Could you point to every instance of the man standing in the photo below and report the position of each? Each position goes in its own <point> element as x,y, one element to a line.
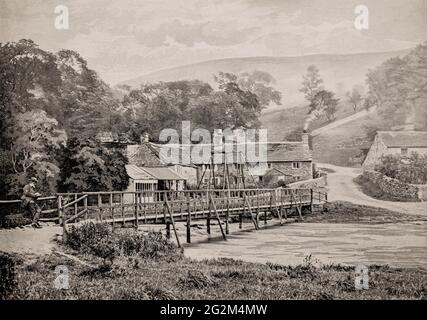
<point>28,202</point>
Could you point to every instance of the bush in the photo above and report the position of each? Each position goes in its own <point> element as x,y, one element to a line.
<point>100,240</point>
<point>412,169</point>
<point>13,221</point>
<point>8,279</point>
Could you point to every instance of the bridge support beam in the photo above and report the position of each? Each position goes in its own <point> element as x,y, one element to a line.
<point>168,230</point>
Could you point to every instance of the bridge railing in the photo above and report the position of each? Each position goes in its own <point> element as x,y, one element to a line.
<point>122,205</point>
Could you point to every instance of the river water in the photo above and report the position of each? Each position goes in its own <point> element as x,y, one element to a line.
<point>396,244</point>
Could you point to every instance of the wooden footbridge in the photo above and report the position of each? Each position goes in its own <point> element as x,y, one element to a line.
<point>169,207</point>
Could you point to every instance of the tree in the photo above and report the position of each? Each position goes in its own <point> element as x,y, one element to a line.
<point>355,97</point>
<point>154,107</point>
<point>87,166</point>
<point>245,107</point>
<point>398,87</point>
<point>36,137</point>
<point>29,80</point>
<point>324,103</point>
<point>312,83</point>
<point>260,83</point>
<point>87,103</point>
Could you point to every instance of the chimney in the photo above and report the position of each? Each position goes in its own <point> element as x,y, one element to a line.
<point>144,138</point>
<point>305,137</point>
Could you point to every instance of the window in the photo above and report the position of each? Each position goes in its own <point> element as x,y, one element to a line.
<point>404,151</point>
<point>296,165</point>
<point>139,187</point>
<point>269,165</point>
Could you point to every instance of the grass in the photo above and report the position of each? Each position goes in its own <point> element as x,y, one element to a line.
<point>214,279</point>
<point>347,212</point>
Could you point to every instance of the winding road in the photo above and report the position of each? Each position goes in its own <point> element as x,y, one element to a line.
<point>342,187</point>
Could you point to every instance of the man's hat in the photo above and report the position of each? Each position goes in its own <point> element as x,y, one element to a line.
<point>33,179</point>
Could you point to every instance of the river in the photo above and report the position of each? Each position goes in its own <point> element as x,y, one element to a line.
<point>396,244</point>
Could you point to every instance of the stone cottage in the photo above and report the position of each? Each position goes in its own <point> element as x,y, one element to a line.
<point>395,143</point>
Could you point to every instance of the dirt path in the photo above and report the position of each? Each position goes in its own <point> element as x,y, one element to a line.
<point>342,187</point>
<point>29,241</point>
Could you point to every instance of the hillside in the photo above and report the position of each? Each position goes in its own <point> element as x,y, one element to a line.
<point>340,72</point>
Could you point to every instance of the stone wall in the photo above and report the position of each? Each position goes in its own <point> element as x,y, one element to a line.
<point>395,188</point>
<point>317,184</point>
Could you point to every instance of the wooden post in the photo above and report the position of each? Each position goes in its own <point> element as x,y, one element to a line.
<point>311,201</point>
<point>188,219</point>
<point>136,211</point>
<point>168,230</point>
<point>250,212</point>
<point>122,209</point>
<point>76,209</point>
<point>227,215</point>
<point>100,207</point>
<point>85,207</point>
<point>62,219</point>
<point>217,218</point>
<point>173,222</point>
<point>279,212</point>
<point>111,208</point>
<point>208,219</point>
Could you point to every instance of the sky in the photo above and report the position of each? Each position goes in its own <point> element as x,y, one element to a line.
<point>127,38</point>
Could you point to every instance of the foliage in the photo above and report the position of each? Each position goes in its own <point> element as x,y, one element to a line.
<point>260,83</point>
<point>100,240</point>
<point>237,103</point>
<point>14,220</point>
<point>88,166</point>
<point>45,98</point>
<point>35,138</point>
<point>312,83</point>
<point>399,88</point>
<point>324,102</point>
<point>355,97</point>
<point>8,276</point>
<point>412,169</point>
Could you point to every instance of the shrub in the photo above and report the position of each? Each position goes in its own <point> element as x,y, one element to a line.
<point>412,169</point>
<point>13,221</point>
<point>8,279</point>
<point>100,240</point>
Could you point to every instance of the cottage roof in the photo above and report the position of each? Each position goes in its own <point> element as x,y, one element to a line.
<point>276,151</point>
<point>143,155</point>
<point>404,138</point>
<point>288,151</point>
<point>137,173</point>
<point>163,173</point>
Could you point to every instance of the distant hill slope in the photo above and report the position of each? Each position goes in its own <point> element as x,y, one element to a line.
<point>340,72</point>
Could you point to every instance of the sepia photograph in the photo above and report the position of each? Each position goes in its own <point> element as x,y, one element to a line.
<point>213,157</point>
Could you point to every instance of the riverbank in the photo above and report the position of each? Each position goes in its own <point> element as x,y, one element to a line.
<point>213,279</point>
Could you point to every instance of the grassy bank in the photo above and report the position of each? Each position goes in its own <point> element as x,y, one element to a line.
<point>213,279</point>
<point>347,212</point>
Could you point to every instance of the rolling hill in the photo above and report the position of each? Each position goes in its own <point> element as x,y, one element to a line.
<point>340,72</point>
